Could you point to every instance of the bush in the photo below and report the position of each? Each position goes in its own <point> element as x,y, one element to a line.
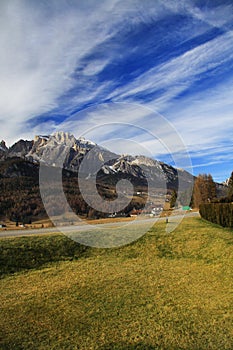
<point>218,213</point>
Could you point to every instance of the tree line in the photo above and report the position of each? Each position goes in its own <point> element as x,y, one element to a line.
<point>21,201</point>
<point>218,211</point>
<point>20,198</point>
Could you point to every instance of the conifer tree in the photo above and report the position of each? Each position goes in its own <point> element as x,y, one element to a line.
<point>173,198</point>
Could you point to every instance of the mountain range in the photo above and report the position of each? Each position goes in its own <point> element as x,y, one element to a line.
<point>82,161</point>
<point>63,149</point>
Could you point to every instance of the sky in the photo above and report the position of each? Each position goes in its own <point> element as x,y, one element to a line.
<point>156,75</point>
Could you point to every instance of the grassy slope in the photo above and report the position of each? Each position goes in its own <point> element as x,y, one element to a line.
<point>166,291</point>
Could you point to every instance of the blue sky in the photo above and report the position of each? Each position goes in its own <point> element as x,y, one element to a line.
<point>78,65</point>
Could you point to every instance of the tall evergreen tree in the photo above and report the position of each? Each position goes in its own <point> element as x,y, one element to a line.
<point>173,199</point>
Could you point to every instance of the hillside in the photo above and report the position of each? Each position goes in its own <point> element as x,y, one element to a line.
<point>162,292</point>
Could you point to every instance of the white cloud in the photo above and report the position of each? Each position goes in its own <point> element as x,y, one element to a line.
<point>95,67</point>
<point>212,14</point>
<point>141,127</point>
<point>41,45</point>
<point>180,72</point>
<point>205,119</point>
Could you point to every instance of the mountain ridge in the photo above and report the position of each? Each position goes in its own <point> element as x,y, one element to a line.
<point>64,150</point>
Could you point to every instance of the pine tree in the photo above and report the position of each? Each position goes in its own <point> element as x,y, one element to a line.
<point>173,198</point>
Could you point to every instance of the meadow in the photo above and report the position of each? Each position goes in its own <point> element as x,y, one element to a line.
<point>164,291</point>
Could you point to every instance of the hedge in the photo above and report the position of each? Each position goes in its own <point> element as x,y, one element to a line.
<point>218,213</point>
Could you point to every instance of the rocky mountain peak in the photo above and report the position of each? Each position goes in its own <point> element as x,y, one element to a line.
<point>143,160</point>
<point>20,148</point>
<point>63,137</point>
<point>53,149</point>
<point>41,137</point>
<point>3,146</point>
<point>226,182</point>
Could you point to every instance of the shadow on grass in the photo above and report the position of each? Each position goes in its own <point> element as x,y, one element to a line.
<point>25,253</point>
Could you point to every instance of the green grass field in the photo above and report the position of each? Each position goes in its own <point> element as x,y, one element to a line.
<point>165,291</point>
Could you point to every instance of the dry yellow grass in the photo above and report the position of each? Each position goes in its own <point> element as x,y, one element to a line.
<point>166,291</point>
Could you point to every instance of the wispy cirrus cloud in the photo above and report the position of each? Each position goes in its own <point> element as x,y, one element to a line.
<point>205,118</point>
<point>41,46</point>
<point>175,57</point>
<point>180,72</point>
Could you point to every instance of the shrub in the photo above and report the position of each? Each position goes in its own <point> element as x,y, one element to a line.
<point>218,213</point>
